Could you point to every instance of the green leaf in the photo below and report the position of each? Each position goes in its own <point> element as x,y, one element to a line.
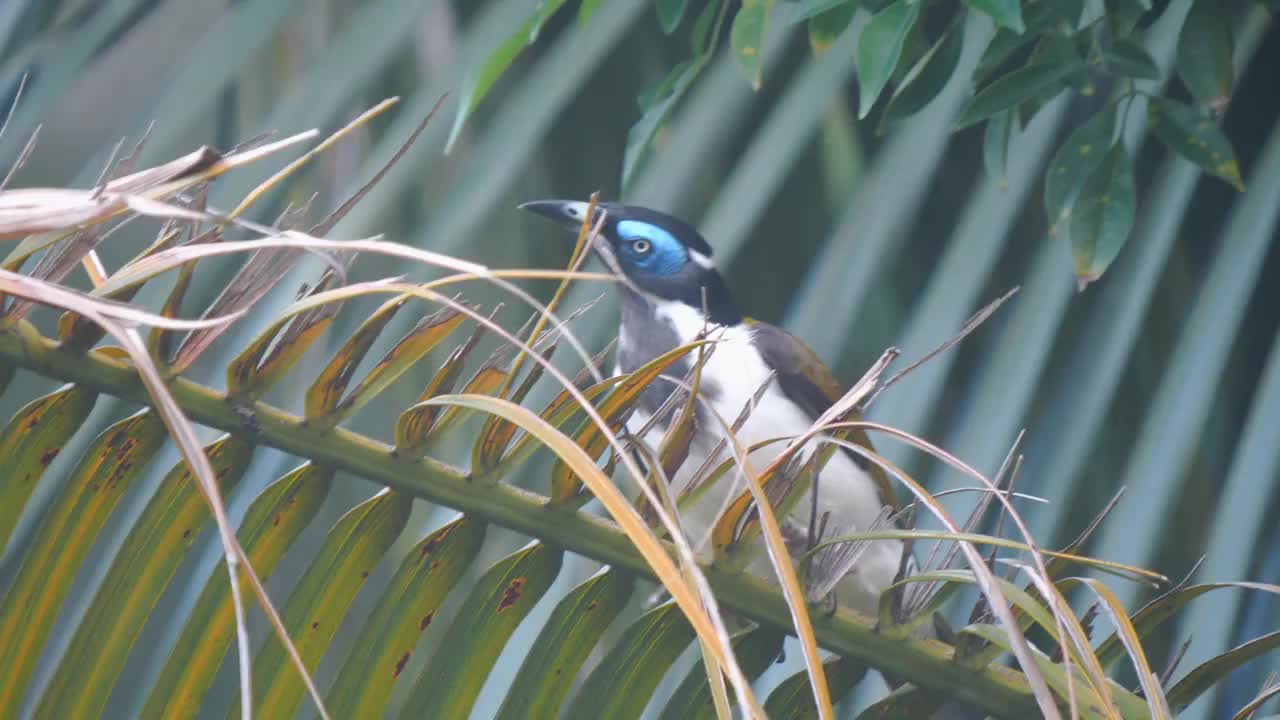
<point>1022,84</point>
<point>995,145</point>
<point>353,546</point>
<point>825,28</point>
<point>274,520</point>
<point>746,38</point>
<point>621,685</point>
<point>62,540</point>
<point>376,662</point>
<point>1214,671</point>
<point>907,701</point>
<point>1195,137</point>
<point>879,48</point>
<point>641,134</point>
<point>1079,154</point>
<point>1102,215</point>
<point>586,10</point>
<point>755,649</point>
<point>807,9</point>
<point>139,574</point>
<point>927,77</point>
<point>670,13</point>
<point>1007,13</point>
<point>1041,19</point>
<point>477,85</point>
<point>701,40</point>
<point>1125,15</point>
<point>566,639</point>
<point>1164,608</point>
<point>1130,59</point>
<point>1205,47</point>
<point>793,697</point>
<point>663,89</point>
<point>32,439</point>
<point>449,685</point>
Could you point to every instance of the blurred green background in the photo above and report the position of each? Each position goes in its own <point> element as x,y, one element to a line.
<point>1162,378</point>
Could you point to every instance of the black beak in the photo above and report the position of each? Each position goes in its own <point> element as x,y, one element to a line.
<point>566,213</point>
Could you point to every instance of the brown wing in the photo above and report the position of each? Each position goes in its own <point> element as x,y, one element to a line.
<point>804,379</point>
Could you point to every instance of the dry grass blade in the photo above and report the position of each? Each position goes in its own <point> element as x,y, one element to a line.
<point>265,268</point>
<point>1128,572</point>
<point>324,226</point>
<point>31,211</point>
<point>145,268</point>
<point>1004,480</point>
<point>969,326</point>
<point>1068,623</point>
<point>281,175</point>
<point>986,581</point>
<point>127,316</point>
<point>119,322</point>
<point>13,106</point>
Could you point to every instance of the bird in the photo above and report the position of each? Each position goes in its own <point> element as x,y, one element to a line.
<point>671,295</point>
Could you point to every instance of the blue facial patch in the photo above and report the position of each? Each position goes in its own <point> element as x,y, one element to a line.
<point>666,256</point>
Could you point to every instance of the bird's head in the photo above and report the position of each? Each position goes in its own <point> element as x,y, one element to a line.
<point>663,257</point>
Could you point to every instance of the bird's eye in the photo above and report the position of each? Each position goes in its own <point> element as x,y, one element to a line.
<point>640,246</point>
<point>572,211</point>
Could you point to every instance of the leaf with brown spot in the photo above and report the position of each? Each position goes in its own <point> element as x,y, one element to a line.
<point>271,524</point>
<point>138,576</point>
<point>564,642</point>
<point>491,612</point>
<point>321,598</point>
<point>31,441</point>
<point>402,613</point>
<point>511,595</point>
<point>404,660</point>
<point>62,540</point>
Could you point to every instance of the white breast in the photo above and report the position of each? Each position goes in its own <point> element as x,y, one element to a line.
<point>846,492</point>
